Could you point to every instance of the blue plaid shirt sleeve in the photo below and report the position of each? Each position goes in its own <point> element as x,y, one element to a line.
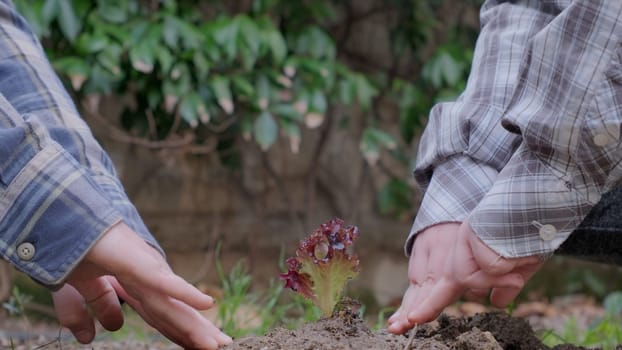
<point>534,141</point>
<point>58,188</point>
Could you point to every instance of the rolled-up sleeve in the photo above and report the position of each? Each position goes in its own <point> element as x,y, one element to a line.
<point>464,145</point>
<point>567,108</point>
<point>58,189</point>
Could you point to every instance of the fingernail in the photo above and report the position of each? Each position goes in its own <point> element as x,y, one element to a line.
<point>84,336</point>
<point>228,339</point>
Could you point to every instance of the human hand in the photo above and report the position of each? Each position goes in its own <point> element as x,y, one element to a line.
<point>122,265</point>
<point>449,261</point>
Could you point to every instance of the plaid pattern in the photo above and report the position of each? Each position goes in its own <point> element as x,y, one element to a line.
<point>58,188</point>
<point>534,139</point>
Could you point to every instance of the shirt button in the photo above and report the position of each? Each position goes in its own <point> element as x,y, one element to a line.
<point>602,140</point>
<point>547,232</point>
<point>26,251</point>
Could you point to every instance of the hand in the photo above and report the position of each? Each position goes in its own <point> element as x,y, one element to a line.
<point>449,261</point>
<point>122,265</point>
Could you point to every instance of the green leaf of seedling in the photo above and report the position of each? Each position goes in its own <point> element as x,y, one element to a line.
<point>323,264</point>
<point>265,130</point>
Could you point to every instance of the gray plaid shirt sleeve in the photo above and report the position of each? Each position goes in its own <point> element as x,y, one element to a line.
<point>533,142</point>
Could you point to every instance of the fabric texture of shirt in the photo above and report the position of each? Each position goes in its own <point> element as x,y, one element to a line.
<point>58,188</point>
<point>533,142</point>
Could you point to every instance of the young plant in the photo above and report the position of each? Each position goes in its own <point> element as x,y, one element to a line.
<point>323,264</point>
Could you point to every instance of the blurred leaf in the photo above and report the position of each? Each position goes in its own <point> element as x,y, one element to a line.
<point>292,131</point>
<point>316,43</point>
<point>365,91</point>
<point>225,31</point>
<point>613,304</point>
<point>221,87</point>
<point>75,68</point>
<point>242,86</point>
<point>443,70</point>
<point>277,44</point>
<point>50,10</point>
<point>317,101</point>
<point>142,57</point>
<point>265,130</point>
<point>170,32</point>
<point>89,43</point>
<point>189,108</point>
<point>69,22</point>
<point>286,111</point>
<point>109,58</point>
<point>372,141</point>
<point>112,11</point>
<point>394,198</point>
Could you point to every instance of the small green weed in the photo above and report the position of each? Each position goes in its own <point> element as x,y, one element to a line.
<point>242,311</point>
<point>381,321</point>
<point>605,332</point>
<point>16,305</point>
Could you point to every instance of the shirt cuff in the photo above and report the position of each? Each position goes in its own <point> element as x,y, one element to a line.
<point>115,194</point>
<point>456,187</point>
<point>530,210</point>
<point>53,215</point>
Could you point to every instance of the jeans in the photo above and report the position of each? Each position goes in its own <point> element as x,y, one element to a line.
<point>599,237</point>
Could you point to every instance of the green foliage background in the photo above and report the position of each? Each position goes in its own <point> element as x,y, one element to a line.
<point>205,75</point>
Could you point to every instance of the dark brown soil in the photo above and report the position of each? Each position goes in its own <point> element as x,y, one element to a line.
<point>491,331</point>
<point>485,330</point>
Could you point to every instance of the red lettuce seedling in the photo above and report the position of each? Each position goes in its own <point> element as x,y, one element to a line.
<point>323,264</point>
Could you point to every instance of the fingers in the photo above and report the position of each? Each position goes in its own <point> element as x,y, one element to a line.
<point>146,268</point>
<point>167,283</point>
<point>72,313</point>
<point>175,319</point>
<point>477,295</point>
<point>441,294</point>
<point>502,297</point>
<point>398,322</point>
<point>103,301</point>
